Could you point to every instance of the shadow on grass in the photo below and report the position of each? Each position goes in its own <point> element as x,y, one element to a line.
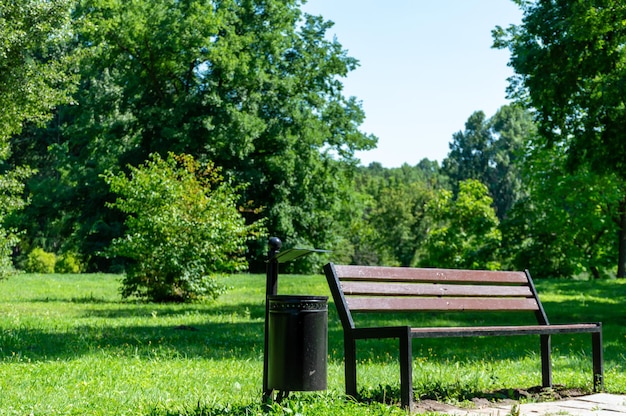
<point>193,331</point>
<point>124,310</point>
<point>218,337</point>
<point>211,341</point>
<point>87,299</point>
<point>237,331</point>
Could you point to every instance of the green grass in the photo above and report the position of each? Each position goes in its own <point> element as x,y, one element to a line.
<point>70,345</point>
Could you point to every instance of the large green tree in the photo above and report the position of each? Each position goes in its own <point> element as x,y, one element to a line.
<point>563,226</point>
<point>570,66</point>
<point>470,152</point>
<point>491,151</point>
<point>33,80</point>
<point>252,85</point>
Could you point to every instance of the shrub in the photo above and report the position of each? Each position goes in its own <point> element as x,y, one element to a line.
<point>183,229</point>
<point>68,263</point>
<point>40,261</point>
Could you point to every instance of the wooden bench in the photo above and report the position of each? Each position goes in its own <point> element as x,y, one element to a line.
<point>366,289</point>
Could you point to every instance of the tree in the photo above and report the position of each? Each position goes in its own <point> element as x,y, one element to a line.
<point>11,188</point>
<point>253,86</point>
<point>33,80</point>
<point>470,152</point>
<point>388,222</point>
<point>465,230</point>
<point>562,227</point>
<point>569,62</point>
<point>183,229</point>
<point>490,151</point>
<point>513,128</point>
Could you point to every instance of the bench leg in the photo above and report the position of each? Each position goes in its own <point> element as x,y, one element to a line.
<point>598,366</point>
<point>546,367</point>
<point>350,365</point>
<point>406,371</point>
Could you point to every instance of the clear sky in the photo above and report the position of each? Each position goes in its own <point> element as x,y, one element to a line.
<point>425,67</point>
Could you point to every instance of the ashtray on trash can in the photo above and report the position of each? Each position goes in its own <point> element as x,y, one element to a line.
<point>298,342</point>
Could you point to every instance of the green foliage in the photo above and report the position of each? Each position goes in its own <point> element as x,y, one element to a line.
<point>570,67</point>
<point>183,229</point>
<point>68,263</point>
<point>33,80</point>
<point>32,73</point>
<point>569,63</point>
<point>253,86</point>
<point>564,227</point>
<point>388,223</point>
<point>11,202</point>
<point>465,233</point>
<point>470,152</point>
<point>39,261</point>
<point>491,151</point>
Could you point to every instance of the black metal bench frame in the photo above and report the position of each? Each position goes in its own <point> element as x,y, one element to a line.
<point>365,289</point>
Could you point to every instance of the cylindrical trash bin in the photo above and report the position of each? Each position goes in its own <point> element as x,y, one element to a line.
<point>298,342</point>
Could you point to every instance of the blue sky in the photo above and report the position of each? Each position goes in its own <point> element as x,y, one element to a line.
<point>425,67</point>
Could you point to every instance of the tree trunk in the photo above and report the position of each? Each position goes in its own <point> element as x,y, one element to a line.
<point>621,257</point>
<point>595,272</point>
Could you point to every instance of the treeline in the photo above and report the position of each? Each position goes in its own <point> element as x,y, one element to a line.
<point>497,201</point>
<point>95,89</point>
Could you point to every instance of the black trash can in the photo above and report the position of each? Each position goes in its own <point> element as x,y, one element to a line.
<point>298,342</point>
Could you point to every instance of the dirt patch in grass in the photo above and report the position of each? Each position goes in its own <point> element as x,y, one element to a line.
<point>536,394</point>
<point>500,397</point>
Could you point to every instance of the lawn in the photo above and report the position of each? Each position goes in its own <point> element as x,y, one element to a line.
<point>70,345</point>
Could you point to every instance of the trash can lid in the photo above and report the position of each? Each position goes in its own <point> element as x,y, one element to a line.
<point>300,302</point>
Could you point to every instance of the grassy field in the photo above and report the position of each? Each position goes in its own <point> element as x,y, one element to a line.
<point>70,346</point>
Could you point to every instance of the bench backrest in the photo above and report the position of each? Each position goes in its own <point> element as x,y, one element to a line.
<point>401,289</point>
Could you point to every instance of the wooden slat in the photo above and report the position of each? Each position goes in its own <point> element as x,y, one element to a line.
<point>391,304</point>
<point>351,288</point>
<point>439,332</point>
<point>428,275</point>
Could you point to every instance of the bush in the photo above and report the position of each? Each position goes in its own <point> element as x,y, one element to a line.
<point>68,263</point>
<point>183,229</point>
<point>40,261</point>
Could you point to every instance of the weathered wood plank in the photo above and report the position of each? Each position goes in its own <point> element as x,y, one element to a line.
<point>391,304</point>
<point>441,332</point>
<point>351,288</point>
<point>428,275</point>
